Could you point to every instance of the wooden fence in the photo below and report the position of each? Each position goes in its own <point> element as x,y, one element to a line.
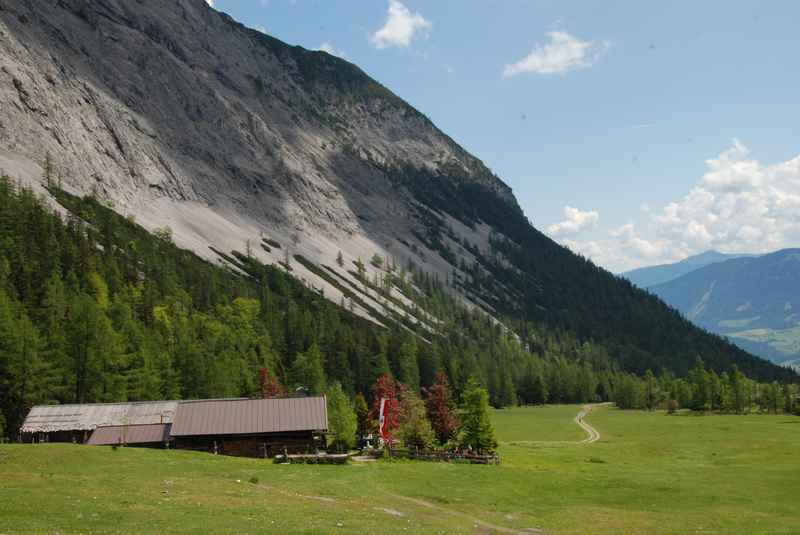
<point>444,456</point>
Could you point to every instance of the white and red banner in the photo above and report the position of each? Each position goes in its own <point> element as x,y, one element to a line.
<point>382,421</point>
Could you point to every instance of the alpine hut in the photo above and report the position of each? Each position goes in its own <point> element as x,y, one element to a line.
<point>251,427</point>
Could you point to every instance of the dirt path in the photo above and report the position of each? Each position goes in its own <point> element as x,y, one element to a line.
<point>477,523</point>
<point>593,434</point>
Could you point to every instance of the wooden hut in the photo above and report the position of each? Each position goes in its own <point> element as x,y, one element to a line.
<point>251,427</point>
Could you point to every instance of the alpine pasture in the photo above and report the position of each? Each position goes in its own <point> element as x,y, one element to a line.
<point>648,473</point>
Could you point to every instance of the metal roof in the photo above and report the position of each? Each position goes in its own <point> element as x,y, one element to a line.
<point>87,417</point>
<point>130,434</point>
<point>250,416</point>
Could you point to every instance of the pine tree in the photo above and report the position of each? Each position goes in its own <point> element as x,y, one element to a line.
<point>788,398</point>
<point>408,372</point>
<point>477,431</point>
<point>308,370</point>
<point>650,392</point>
<point>362,415</point>
<point>738,390</point>
<point>540,394</point>
<point>342,420</point>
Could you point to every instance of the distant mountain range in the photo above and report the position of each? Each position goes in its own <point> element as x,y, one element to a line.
<point>653,275</point>
<point>753,300</point>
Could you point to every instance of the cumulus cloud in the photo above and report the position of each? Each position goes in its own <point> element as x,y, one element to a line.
<point>563,53</point>
<point>332,50</point>
<point>400,28</point>
<point>574,222</point>
<point>738,205</point>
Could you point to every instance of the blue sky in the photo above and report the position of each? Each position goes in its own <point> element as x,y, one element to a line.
<point>634,132</point>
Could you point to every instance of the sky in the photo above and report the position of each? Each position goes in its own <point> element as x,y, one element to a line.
<point>635,133</point>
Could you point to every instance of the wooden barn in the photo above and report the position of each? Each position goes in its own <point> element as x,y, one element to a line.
<point>251,427</point>
<point>78,423</point>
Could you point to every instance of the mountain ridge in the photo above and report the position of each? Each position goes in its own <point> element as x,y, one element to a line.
<point>181,118</point>
<point>750,299</point>
<point>646,277</point>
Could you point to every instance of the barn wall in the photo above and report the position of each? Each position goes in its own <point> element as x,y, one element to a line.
<point>267,445</point>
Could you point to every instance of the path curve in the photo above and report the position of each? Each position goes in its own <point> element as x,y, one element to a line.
<point>593,434</point>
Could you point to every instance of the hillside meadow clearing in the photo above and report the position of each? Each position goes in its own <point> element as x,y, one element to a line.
<point>648,473</point>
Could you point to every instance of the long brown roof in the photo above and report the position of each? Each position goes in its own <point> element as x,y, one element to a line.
<point>87,417</point>
<point>250,416</point>
<point>129,434</point>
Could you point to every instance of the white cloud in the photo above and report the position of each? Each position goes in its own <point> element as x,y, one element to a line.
<point>738,205</point>
<point>563,53</point>
<point>332,50</point>
<point>574,222</point>
<point>210,2</point>
<point>400,28</point>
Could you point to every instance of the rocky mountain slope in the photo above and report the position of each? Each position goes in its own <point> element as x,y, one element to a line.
<point>653,275</point>
<point>754,301</point>
<point>178,116</point>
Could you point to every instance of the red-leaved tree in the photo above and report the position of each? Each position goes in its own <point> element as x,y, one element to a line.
<point>270,387</point>
<point>387,388</point>
<point>441,408</point>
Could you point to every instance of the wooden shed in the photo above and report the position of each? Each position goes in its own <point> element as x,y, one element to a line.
<point>251,427</point>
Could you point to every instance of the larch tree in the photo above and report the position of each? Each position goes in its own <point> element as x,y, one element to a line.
<point>342,420</point>
<point>477,431</point>
<point>414,428</point>
<point>441,408</point>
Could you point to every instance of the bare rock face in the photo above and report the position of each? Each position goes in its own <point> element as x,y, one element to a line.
<point>182,117</point>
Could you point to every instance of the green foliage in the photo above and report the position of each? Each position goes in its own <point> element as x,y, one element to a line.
<point>415,430</point>
<point>308,371</point>
<point>628,393</point>
<point>477,431</point>
<point>342,420</point>
<point>362,415</point>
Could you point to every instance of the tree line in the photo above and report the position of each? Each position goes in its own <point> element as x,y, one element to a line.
<point>703,390</point>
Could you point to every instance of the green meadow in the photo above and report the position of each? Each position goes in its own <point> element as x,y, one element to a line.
<point>649,473</point>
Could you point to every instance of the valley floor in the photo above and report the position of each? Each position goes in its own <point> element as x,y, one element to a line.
<point>648,473</point>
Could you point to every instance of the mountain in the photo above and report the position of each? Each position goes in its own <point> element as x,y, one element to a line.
<point>755,301</point>
<point>654,275</point>
<point>237,145</point>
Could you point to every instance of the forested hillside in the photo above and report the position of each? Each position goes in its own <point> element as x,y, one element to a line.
<point>96,309</point>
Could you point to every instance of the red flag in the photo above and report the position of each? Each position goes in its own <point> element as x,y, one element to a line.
<point>382,421</point>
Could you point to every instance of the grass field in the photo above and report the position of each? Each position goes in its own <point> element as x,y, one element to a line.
<point>649,473</point>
